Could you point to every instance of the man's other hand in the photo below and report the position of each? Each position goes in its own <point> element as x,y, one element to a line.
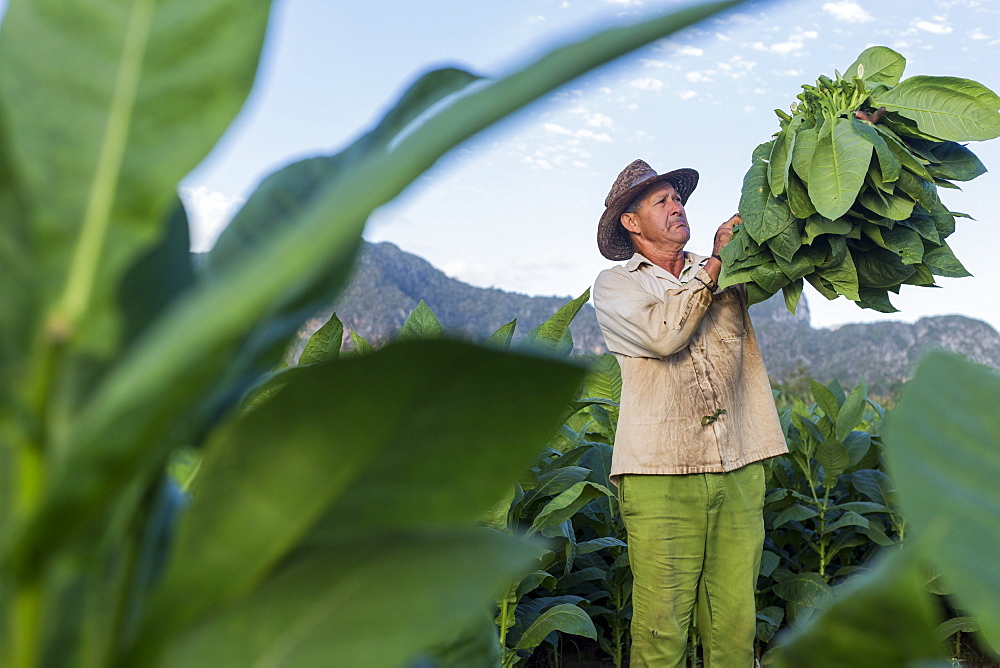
<point>725,233</point>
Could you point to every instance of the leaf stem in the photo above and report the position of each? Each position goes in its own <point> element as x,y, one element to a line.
<point>97,218</point>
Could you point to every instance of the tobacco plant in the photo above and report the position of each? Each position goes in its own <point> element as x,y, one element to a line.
<point>846,194</point>
<point>580,583</point>
<point>828,506</point>
<point>942,451</point>
<point>333,506</point>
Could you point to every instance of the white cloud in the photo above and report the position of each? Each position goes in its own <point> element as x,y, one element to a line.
<point>688,50</point>
<point>647,83</point>
<point>978,34</point>
<point>723,38</point>
<point>538,18</point>
<point>736,67</point>
<point>537,162</point>
<point>582,133</point>
<point>789,73</point>
<point>848,11</point>
<point>794,42</point>
<point>605,90</point>
<point>938,28</point>
<point>687,94</point>
<point>598,121</point>
<point>626,3</point>
<point>698,76</point>
<point>596,136</point>
<point>208,213</point>
<point>749,109</point>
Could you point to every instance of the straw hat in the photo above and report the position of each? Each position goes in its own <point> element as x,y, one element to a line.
<point>612,238</point>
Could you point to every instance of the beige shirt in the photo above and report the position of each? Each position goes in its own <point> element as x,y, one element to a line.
<point>687,352</point>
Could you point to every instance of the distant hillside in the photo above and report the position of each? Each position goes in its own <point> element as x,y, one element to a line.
<point>388,283</point>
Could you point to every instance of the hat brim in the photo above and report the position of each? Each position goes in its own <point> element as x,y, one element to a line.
<point>612,239</point>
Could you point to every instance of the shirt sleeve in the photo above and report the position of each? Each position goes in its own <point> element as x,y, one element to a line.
<point>638,323</point>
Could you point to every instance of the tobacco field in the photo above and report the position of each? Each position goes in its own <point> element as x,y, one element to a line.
<point>173,494</point>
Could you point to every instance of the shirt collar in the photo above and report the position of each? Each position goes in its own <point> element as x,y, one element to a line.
<point>638,259</point>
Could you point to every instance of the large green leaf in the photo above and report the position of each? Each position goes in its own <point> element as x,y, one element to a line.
<point>769,277</point>
<point>834,458</point>
<point>104,95</point>
<point>891,206</point>
<point>839,270</point>
<point>881,268</point>
<point>283,197</point>
<point>817,225</point>
<point>803,262</point>
<point>876,485</point>
<point>901,240</point>
<point>503,336</point>
<point>20,309</point>
<point>324,344</point>
<point>807,589</point>
<point>604,379</point>
<point>888,163</point>
<point>421,324</point>
<point>921,191</point>
<point>851,412</point>
<point>181,356</point>
<point>788,239</point>
<point>556,482</point>
<point>879,64</point>
<point>942,262</point>
<point>942,443</point>
<point>357,601</point>
<point>948,108</point>
<point>780,159</point>
<point>554,334</point>
<point>566,618</point>
<point>753,200</point>
<point>882,618</point>
<point>412,438</point>
<point>158,277</point>
<point>565,505</point>
<point>876,299</point>
<point>838,168</point>
<point>792,293</point>
<point>803,151</point>
<point>954,161</point>
<point>923,224</point>
<point>798,196</point>
<point>903,153</point>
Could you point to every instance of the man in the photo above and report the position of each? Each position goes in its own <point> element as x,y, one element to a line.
<point>696,420</point>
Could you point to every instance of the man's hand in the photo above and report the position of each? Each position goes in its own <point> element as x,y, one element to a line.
<point>725,233</point>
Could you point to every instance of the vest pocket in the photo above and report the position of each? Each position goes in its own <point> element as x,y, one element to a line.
<point>727,316</point>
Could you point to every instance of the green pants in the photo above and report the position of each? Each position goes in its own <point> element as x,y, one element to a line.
<point>695,537</point>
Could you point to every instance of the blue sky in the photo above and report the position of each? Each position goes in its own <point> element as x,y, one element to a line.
<point>517,206</point>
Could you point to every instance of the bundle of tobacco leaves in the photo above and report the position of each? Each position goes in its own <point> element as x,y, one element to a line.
<point>846,194</point>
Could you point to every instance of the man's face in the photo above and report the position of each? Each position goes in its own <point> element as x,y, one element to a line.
<point>660,221</point>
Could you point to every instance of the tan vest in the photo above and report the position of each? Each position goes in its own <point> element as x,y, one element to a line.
<point>687,353</point>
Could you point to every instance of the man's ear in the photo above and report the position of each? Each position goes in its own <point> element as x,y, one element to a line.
<point>629,222</point>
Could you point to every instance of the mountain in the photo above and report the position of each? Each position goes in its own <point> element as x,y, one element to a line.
<point>388,283</point>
